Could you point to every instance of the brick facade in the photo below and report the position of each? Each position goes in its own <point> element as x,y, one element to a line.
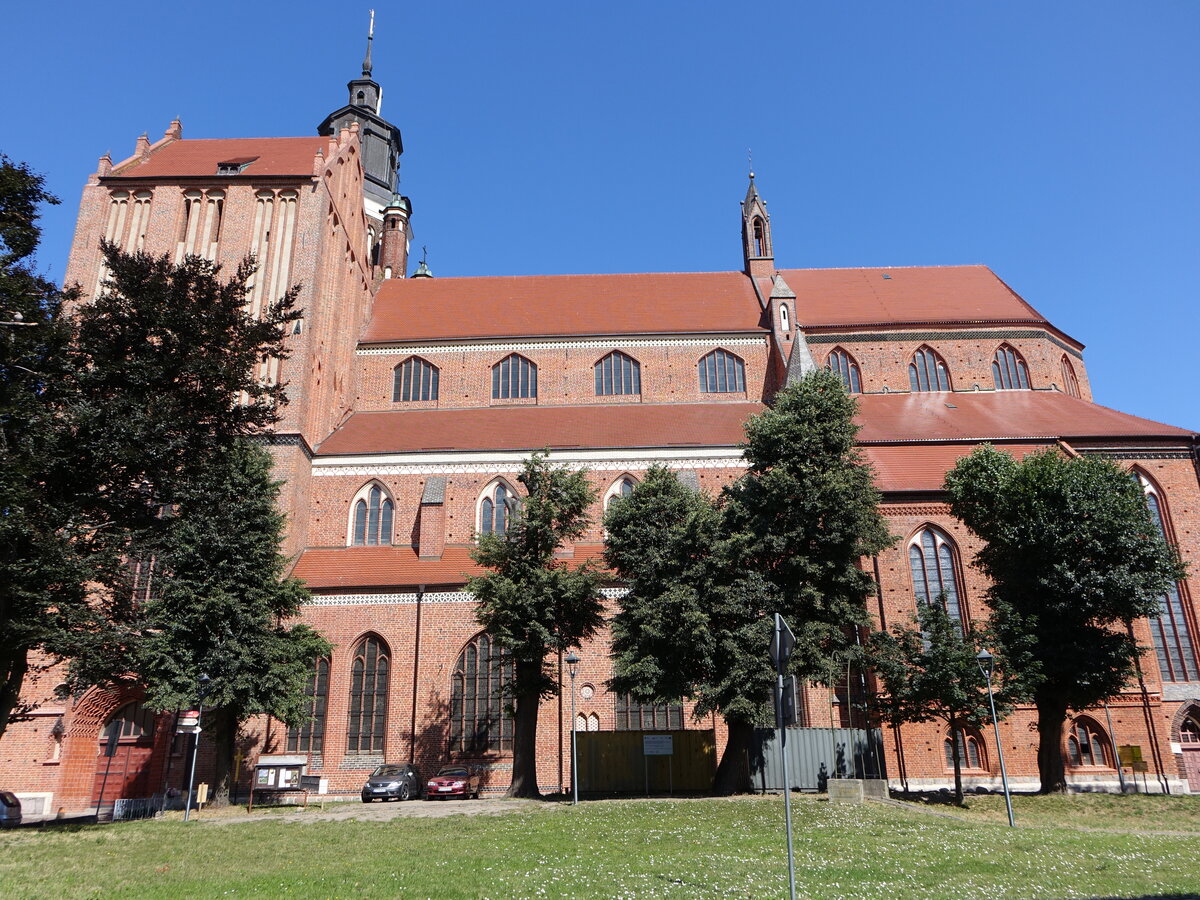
<point>342,367</point>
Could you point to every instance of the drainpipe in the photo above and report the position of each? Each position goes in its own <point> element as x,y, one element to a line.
<point>412,739</point>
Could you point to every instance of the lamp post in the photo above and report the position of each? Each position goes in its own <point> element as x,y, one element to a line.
<point>985,667</point>
<point>201,693</point>
<point>573,668</point>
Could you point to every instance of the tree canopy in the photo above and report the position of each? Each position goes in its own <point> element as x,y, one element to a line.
<point>787,538</point>
<point>1074,557</point>
<point>112,411</point>
<point>532,604</point>
<point>930,673</point>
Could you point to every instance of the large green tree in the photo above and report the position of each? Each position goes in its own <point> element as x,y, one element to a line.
<point>532,604</point>
<point>219,603</point>
<point>47,550</point>
<point>930,673</point>
<point>1073,557</point>
<point>791,536</point>
<point>108,410</point>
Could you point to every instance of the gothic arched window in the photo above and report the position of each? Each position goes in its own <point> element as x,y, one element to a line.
<point>620,490</point>
<point>932,559</point>
<point>496,508</point>
<point>970,751</point>
<point>846,368</point>
<point>372,517</point>
<point>415,379</point>
<point>514,377</point>
<point>310,737</point>
<point>1170,629</point>
<point>1070,382</point>
<point>618,373</point>
<point>478,719</point>
<point>928,371</point>
<point>1009,371</point>
<point>368,696</point>
<point>721,373</point>
<point>1088,745</point>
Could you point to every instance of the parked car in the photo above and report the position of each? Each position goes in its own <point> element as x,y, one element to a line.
<point>390,782</point>
<point>10,809</point>
<point>453,781</point>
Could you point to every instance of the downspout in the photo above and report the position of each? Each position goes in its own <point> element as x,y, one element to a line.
<point>412,737</point>
<point>1149,716</point>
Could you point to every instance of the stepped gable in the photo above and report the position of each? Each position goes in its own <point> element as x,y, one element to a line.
<point>562,306</point>
<point>933,295</point>
<point>200,158</point>
<point>529,428</point>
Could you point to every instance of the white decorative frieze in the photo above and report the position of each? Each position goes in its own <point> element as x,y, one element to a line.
<point>464,463</point>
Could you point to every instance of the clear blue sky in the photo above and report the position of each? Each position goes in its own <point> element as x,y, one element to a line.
<point>1055,142</point>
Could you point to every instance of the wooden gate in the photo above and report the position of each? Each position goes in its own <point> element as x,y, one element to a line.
<point>615,762</point>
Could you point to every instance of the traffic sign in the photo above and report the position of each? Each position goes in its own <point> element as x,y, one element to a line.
<point>782,643</point>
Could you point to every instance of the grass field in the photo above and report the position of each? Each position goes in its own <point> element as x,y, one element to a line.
<point>1132,812</point>
<point>619,849</point>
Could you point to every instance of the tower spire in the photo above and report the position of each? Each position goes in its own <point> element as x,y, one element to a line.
<point>756,233</point>
<point>366,70</point>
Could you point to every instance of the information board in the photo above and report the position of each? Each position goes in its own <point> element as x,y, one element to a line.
<point>657,745</point>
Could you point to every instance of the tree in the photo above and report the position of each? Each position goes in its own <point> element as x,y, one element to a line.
<point>1073,557</point>
<point>105,407</point>
<point>220,604</point>
<point>44,561</point>
<point>791,535</point>
<point>532,604</point>
<point>930,673</point>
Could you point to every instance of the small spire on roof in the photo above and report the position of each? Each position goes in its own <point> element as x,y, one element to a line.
<point>422,268</point>
<point>366,70</point>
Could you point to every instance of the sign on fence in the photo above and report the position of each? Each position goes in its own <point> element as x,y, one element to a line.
<point>657,745</point>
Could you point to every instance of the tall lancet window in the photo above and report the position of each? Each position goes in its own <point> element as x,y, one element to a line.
<point>373,512</point>
<point>1170,629</point>
<point>932,559</point>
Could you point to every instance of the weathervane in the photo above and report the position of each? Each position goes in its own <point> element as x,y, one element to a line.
<point>370,37</point>
<point>750,162</point>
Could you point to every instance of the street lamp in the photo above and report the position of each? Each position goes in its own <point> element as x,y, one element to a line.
<point>573,667</point>
<point>985,667</point>
<point>201,693</point>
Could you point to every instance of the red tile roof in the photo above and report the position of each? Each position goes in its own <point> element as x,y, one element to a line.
<point>183,158</point>
<point>997,415</point>
<point>885,418</point>
<point>374,568</point>
<point>909,295</point>
<point>561,305</point>
<point>554,305</point>
<point>536,427</point>
<point>923,467</point>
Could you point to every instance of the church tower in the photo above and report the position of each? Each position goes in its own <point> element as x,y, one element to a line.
<point>756,235</point>
<point>381,144</point>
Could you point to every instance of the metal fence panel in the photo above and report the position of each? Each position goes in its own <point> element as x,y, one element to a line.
<point>815,755</point>
<point>127,809</point>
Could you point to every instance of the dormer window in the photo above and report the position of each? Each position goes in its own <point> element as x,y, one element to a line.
<point>235,166</point>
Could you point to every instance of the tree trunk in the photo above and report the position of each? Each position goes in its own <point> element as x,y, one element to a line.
<point>733,774</point>
<point>14,663</point>
<point>525,716</point>
<point>1052,712</point>
<point>955,733</point>
<point>222,732</point>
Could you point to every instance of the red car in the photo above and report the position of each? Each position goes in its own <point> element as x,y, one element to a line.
<point>453,781</point>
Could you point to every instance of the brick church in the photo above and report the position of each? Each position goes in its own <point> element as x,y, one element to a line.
<point>414,400</point>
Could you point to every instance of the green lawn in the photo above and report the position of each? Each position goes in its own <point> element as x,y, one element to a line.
<point>1132,812</point>
<point>685,849</point>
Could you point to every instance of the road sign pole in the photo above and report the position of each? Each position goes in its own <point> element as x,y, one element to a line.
<point>781,649</point>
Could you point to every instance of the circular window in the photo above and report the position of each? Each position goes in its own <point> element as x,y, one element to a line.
<point>587,692</point>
